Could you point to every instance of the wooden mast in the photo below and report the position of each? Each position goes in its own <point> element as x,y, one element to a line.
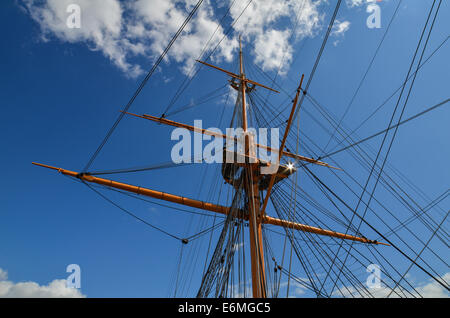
<point>251,188</point>
<point>256,214</point>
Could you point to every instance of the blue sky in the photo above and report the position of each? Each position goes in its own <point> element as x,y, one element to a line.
<point>60,93</point>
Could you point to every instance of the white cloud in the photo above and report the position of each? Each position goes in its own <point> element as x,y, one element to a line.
<point>295,288</point>
<point>339,30</point>
<point>358,3</point>
<point>101,25</point>
<point>230,98</point>
<point>354,3</point>
<point>433,289</point>
<point>429,289</point>
<point>158,20</point>
<point>3,275</point>
<point>55,289</point>
<point>273,50</point>
<point>123,31</point>
<point>138,28</point>
<point>260,24</point>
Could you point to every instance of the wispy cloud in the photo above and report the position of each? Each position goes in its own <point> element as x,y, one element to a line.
<point>124,31</point>
<point>101,29</point>
<point>355,3</point>
<point>339,30</point>
<point>143,28</point>
<point>358,3</point>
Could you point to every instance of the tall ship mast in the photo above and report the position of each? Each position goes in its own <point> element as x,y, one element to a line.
<point>260,202</point>
<point>255,186</point>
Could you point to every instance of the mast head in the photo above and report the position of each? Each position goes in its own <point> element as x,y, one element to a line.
<point>241,66</point>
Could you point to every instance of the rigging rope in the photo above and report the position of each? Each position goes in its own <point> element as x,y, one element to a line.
<point>392,95</point>
<point>376,231</point>
<point>311,75</point>
<point>418,255</point>
<point>132,214</point>
<point>400,117</point>
<point>365,75</point>
<point>188,79</point>
<point>141,86</point>
<point>169,164</point>
<point>384,130</point>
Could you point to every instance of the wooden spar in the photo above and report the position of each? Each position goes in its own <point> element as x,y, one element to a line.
<point>200,204</point>
<point>283,142</point>
<point>237,76</point>
<point>142,191</point>
<point>316,230</point>
<point>216,134</point>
